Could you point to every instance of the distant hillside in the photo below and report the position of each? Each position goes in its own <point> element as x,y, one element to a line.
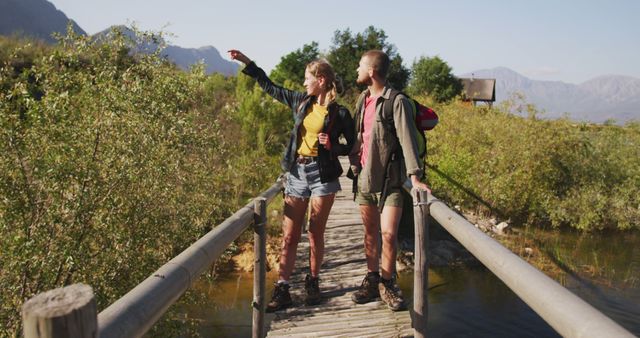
<point>185,57</point>
<point>597,100</point>
<point>34,18</point>
<point>40,18</point>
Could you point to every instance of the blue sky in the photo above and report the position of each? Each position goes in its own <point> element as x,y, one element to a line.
<point>571,41</point>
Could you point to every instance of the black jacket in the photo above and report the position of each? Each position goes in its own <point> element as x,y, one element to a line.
<point>338,120</point>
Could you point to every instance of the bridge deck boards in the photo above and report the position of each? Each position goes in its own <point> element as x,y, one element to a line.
<point>342,271</point>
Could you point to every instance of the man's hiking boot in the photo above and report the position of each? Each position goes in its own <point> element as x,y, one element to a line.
<point>313,290</point>
<point>391,294</point>
<point>368,290</point>
<point>280,299</point>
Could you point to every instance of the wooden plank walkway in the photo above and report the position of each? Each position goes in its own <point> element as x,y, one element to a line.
<point>342,272</point>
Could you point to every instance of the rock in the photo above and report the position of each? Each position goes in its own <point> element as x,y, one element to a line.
<point>401,265</point>
<point>441,253</point>
<point>502,226</point>
<point>500,229</point>
<point>528,251</point>
<point>481,227</point>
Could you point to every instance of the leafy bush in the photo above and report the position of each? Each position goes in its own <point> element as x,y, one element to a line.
<point>266,123</point>
<point>112,164</point>
<point>542,172</point>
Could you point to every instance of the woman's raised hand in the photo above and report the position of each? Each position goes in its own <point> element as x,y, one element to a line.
<point>237,55</point>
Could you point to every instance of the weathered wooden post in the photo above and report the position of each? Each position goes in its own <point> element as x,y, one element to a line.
<point>259,265</point>
<point>421,266</point>
<point>64,312</point>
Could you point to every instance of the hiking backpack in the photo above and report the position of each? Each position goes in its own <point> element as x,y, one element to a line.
<point>425,119</point>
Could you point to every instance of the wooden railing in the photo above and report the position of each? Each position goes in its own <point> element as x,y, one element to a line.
<point>420,262</point>
<point>71,311</point>
<point>569,315</point>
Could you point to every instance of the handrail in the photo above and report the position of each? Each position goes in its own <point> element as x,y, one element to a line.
<point>567,313</point>
<point>135,313</point>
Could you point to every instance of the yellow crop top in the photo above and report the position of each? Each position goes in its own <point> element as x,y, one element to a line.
<point>311,126</point>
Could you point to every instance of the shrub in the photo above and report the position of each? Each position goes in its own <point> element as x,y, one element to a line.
<point>112,163</point>
<point>541,172</point>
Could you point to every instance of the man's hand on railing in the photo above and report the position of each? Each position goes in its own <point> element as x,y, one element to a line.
<point>415,182</point>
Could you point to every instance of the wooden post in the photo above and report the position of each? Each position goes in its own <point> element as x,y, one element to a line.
<point>421,266</point>
<point>64,312</point>
<point>259,265</point>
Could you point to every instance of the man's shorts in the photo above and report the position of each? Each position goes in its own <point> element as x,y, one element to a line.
<point>303,181</point>
<point>394,198</point>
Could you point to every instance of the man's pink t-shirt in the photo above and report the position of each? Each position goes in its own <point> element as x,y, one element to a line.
<point>369,120</point>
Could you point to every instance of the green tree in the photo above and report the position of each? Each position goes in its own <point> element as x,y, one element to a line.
<point>264,121</point>
<point>432,76</point>
<point>347,49</point>
<point>290,71</point>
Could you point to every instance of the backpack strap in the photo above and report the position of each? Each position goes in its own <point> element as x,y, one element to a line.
<point>388,121</point>
<point>387,111</point>
<point>387,116</point>
<point>389,125</point>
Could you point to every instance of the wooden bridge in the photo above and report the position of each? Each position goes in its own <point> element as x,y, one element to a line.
<point>342,272</point>
<point>71,311</point>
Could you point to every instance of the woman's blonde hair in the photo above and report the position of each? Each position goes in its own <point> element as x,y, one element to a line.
<point>333,84</point>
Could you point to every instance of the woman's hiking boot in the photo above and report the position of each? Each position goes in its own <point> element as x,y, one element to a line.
<point>368,290</point>
<point>311,284</point>
<point>280,299</point>
<point>391,294</point>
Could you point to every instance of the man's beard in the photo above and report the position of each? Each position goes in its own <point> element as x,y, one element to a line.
<point>366,82</point>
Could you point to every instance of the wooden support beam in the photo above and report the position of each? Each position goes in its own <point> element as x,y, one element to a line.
<point>64,312</point>
<point>421,265</point>
<point>259,265</point>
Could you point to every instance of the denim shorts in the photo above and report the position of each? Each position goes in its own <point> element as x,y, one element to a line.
<point>303,180</point>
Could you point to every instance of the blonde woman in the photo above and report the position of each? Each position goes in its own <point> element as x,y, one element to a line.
<point>310,162</point>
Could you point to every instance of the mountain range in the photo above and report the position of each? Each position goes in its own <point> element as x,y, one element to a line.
<point>183,57</point>
<point>40,18</point>
<point>609,97</point>
<point>34,18</point>
<point>603,98</point>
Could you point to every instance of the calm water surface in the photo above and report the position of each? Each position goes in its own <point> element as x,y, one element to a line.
<point>472,302</point>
